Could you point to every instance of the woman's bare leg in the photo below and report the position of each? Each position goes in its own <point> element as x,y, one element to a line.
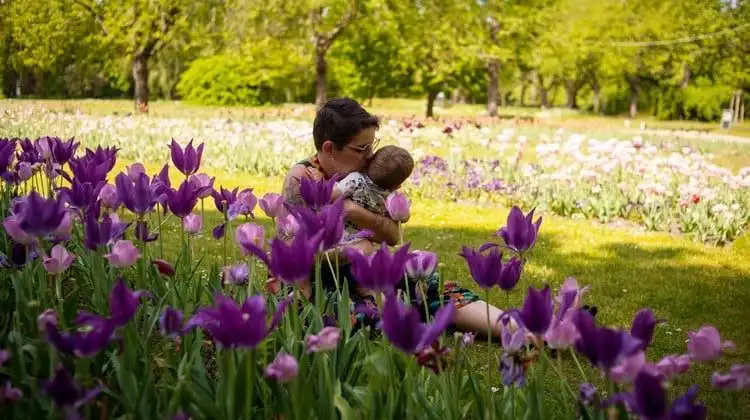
<point>473,318</point>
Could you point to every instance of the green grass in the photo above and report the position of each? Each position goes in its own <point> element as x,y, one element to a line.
<point>685,283</point>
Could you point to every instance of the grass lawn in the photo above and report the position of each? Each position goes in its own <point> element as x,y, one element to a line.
<point>685,283</point>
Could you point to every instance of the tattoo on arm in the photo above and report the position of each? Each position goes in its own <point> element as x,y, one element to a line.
<point>290,193</point>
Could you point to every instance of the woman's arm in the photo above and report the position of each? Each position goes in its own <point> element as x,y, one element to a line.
<point>385,229</point>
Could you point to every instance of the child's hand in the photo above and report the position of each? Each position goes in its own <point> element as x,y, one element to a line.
<point>314,174</point>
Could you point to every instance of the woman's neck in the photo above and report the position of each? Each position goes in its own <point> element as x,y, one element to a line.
<point>326,165</point>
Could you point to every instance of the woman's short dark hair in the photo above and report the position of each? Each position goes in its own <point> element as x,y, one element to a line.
<point>339,120</point>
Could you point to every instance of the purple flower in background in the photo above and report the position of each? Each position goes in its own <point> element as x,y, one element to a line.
<point>686,407</point>
<point>737,379</point>
<point>104,233</point>
<point>123,303</point>
<point>160,184</point>
<point>88,169</point>
<point>604,347</point>
<point>7,154</point>
<point>398,206</point>
<point>142,232</point>
<point>625,371</point>
<point>4,356</point>
<point>512,341</point>
<point>235,274</point>
<point>381,271</point>
<point>10,393</point>
<point>29,153</point>
<point>192,223</point>
<point>402,325</point>
<point>44,146</point>
<point>288,226</point>
<point>137,195</point>
<point>106,155</point>
<point>271,204</point>
<point>20,255</point>
<point>648,398</point>
<point>326,340</point>
<point>187,161</point>
<point>643,326</point>
<point>536,313</point>
<point>247,202</point>
<point>24,171</point>
<point>283,368</point>
<point>250,233</point>
<point>291,262</point>
<point>67,394</point>
<point>236,326</point>
<point>587,393</point>
<point>488,269</point>
<point>511,371</point>
<point>520,232</point>
<point>124,254</point>
<point>108,196</point>
<point>706,344</point>
<point>80,195</point>
<point>316,194</point>
<point>62,151</point>
<point>223,198</point>
<point>203,181</point>
<point>41,216</point>
<point>183,201</point>
<point>12,226</point>
<point>86,342</point>
<point>421,264</point>
<point>58,261</point>
<point>170,323</point>
<point>672,366</point>
<point>329,221</point>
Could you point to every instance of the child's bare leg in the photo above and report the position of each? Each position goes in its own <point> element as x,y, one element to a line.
<point>473,318</point>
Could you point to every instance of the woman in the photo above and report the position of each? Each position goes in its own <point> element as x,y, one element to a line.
<point>344,135</point>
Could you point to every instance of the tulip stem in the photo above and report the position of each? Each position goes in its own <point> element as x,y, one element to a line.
<point>250,377</point>
<point>161,237</point>
<point>578,365</point>
<point>489,351</point>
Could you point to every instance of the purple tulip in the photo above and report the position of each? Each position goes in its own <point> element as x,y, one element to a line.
<point>192,223</point>
<point>62,151</point>
<point>626,371</point>
<point>104,233</point>
<point>83,344</point>
<point>587,393</point>
<point>182,201</point>
<point>536,314</point>
<point>160,184</point>
<point>686,407</point>
<point>123,255</point>
<point>7,154</point>
<point>316,194</point>
<point>235,274</point>
<point>288,226</point>
<point>223,198</point>
<point>108,196</point>
<point>88,169</point>
<point>604,347</point>
<point>737,379</point>
<point>142,232</point>
<point>219,231</point>
<point>511,340</point>
<point>28,154</point>
<point>123,303</point>
<point>329,220</point>
<point>205,182</point>
<point>101,155</point>
<point>44,146</point>
<point>398,206</point>
<point>488,270</point>
<point>381,271</point>
<point>236,326</point>
<point>571,285</point>
<point>187,161</point>
<point>41,216</point>
<point>293,262</point>
<point>402,325</point>
<point>67,394</point>
<point>25,171</point>
<point>247,202</point>
<point>80,195</point>
<point>250,233</point>
<point>9,393</point>
<point>511,372</point>
<point>562,334</point>
<point>164,267</point>
<point>283,368</point>
<point>643,326</point>
<point>137,195</point>
<point>421,264</point>
<point>706,344</point>
<point>326,340</point>
<point>58,261</point>
<point>672,366</point>
<point>520,232</point>
<point>170,323</point>
<point>20,255</point>
<point>271,204</point>
<point>12,226</point>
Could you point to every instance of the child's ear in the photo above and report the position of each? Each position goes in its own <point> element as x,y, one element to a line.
<point>328,147</point>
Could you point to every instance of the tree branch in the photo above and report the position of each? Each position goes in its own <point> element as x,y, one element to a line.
<point>97,17</point>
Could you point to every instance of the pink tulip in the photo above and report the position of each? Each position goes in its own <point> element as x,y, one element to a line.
<point>249,233</point>
<point>628,369</point>
<point>247,200</point>
<point>326,340</point>
<point>203,180</point>
<point>135,170</point>
<point>398,207</point>
<point>288,226</point>
<point>562,334</point>
<point>58,261</point>
<point>705,344</point>
<point>124,254</point>
<point>271,204</point>
<point>284,368</point>
<point>65,228</point>
<point>48,317</point>
<point>571,284</point>
<point>421,264</point>
<point>672,366</point>
<point>108,196</point>
<point>12,226</point>
<point>192,223</point>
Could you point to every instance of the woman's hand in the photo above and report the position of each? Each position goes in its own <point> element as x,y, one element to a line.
<point>385,229</point>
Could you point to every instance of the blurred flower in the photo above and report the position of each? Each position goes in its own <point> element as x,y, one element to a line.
<point>398,206</point>
<point>25,171</point>
<point>182,201</point>
<point>205,182</point>
<point>705,344</point>
<point>108,196</point>
<point>136,195</point>
<point>224,198</point>
<point>247,202</point>
<point>283,368</point>
<point>44,146</point>
<point>562,334</point>
<point>94,335</point>
<point>737,379</point>
<point>536,313</point>
<point>271,204</point>
<point>187,161</point>
<point>79,195</point>
<point>402,325</point>
<point>49,316</point>
<point>192,223</point>
<point>9,393</point>
<point>488,270</point>
<point>7,154</point>
<point>58,261</point>
<point>164,267</point>
<point>123,303</point>
<point>104,233</point>
<point>316,194</point>
<point>672,366</point>
<point>236,326</point>
<point>587,393</point>
<point>288,225</point>
<point>67,394</point>
<point>326,340</point>
<point>62,151</point>
<point>291,262</point>
<point>643,326</point>
<point>421,264</point>
<point>467,340</point>
<point>571,285</point>
<point>686,408</point>
<point>41,216</point>
<point>604,347</point>
<point>520,232</point>
<point>142,232</point>
<point>512,340</point>
<point>12,226</point>
<point>250,233</point>
<point>434,357</point>
<point>170,323</point>
<point>135,170</point>
<point>235,274</point>
<point>381,271</point>
<point>219,230</point>
<point>329,221</point>
<point>511,371</point>
<point>123,255</point>
<point>88,169</point>
<point>626,371</point>
<point>28,154</point>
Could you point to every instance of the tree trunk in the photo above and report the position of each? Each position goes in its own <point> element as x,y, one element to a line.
<point>633,82</point>
<point>431,96</point>
<point>140,76</point>
<point>492,88</point>
<point>321,78</point>
<point>686,76</point>
<point>597,95</point>
<point>524,86</point>
<point>571,90</point>
<point>543,92</point>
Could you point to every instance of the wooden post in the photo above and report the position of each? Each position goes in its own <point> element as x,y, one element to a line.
<point>742,107</point>
<point>737,107</point>
<point>731,105</point>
